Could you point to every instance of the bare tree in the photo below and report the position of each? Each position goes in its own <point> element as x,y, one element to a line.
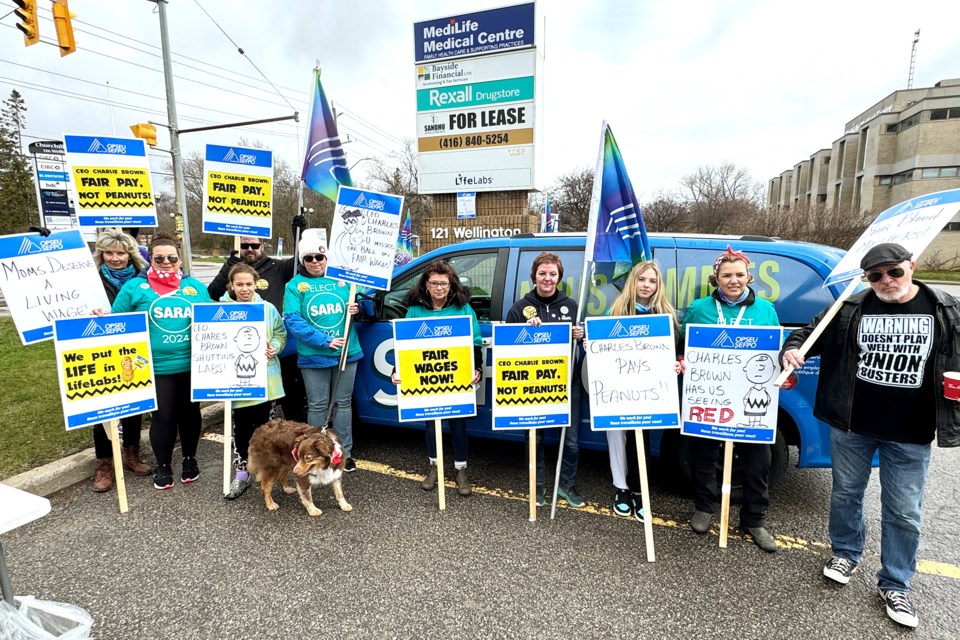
<point>666,212</point>
<point>807,223</point>
<point>570,199</point>
<point>399,174</point>
<point>718,196</point>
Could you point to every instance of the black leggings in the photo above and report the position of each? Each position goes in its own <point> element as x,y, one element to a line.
<point>131,436</point>
<point>294,400</point>
<point>175,412</point>
<point>754,462</point>
<point>245,422</point>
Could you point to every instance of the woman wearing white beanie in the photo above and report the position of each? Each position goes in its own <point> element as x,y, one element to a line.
<point>315,310</point>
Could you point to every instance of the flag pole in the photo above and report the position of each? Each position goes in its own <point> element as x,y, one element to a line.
<point>588,268</point>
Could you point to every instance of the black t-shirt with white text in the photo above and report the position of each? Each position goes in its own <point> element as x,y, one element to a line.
<point>893,394</point>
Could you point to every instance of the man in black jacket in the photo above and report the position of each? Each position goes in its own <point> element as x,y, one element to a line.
<point>273,276</point>
<point>881,389</point>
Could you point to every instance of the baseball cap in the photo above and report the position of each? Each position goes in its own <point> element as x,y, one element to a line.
<point>886,253</point>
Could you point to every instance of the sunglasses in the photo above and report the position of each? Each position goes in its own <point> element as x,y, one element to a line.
<point>319,257</point>
<point>877,276</point>
<point>250,245</point>
<point>162,259</point>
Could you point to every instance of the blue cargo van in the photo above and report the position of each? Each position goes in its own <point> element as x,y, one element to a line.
<point>497,272</point>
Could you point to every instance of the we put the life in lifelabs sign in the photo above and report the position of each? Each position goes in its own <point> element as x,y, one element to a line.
<point>728,391</point>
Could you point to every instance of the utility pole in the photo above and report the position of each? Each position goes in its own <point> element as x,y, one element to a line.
<point>913,58</point>
<point>178,182</point>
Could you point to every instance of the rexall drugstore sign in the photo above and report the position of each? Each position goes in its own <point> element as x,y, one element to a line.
<point>474,33</point>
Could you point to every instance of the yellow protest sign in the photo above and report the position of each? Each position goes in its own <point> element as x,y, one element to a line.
<point>435,371</point>
<point>113,187</point>
<point>238,194</point>
<point>531,380</point>
<point>99,371</point>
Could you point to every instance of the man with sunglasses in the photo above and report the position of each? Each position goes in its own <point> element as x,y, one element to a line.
<point>272,276</point>
<point>881,389</point>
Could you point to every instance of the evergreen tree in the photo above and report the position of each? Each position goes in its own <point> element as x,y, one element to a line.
<point>18,196</point>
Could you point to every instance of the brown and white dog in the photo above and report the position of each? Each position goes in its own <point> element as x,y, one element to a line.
<point>314,455</point>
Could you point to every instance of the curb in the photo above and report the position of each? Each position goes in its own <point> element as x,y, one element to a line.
<point>60,474</point>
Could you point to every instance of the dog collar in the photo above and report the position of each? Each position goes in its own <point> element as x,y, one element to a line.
<point>337,455</point>
<point>296,454</point>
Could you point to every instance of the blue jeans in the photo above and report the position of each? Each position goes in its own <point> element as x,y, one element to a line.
<point>903,474</point>
<point>458,432</point>
<point>319,386</point>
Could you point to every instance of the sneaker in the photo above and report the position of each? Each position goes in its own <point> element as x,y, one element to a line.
<point>761,538</point>
<point>899,608</point>
<point>349,466</point>
<point>190,471</point>
<point>637,506</point>
<point>839,569</point>
<point>573,498</point>
<point>700,522</point>
<point>163,478</point>
<point>623,504</point>
<point>237,487</point>
<point>541,496</point>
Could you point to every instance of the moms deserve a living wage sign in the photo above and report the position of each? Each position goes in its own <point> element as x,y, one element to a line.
<point>435,365</point>
<point>363,237</point>
<point>531,376</point>
<point>105,368</point>
<point>238,191</point>
<point>228,351</point>
<point>631,371</point>
<point>728,390</point>
<point>111,177</point>
<point>44,279</point>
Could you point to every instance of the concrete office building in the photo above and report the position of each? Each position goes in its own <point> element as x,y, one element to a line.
<point>906,145</point>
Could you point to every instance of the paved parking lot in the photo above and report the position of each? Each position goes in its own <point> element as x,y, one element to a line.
<point>187,564</point>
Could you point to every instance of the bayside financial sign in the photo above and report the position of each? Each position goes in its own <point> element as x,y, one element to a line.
<point>473,34</point>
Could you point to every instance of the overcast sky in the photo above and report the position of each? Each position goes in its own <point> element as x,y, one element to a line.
<point>683,84</point>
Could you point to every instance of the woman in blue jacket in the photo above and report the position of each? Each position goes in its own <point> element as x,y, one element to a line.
<point>167,295</point>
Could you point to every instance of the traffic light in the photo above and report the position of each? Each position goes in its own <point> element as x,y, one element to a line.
<point>27,13</point>
<point>61,19</point>
<point>146,131</point>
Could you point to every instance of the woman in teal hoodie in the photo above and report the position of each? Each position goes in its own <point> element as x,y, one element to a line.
<point>167,295</point>
<point>438,294</point>
<point>250,414</point>
<point>315,311</point>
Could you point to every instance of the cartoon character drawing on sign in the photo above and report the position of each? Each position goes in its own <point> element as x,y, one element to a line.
<point>348,242</point>
<point>248,340</point>
<point>760,370</point>
<point>126,369</point>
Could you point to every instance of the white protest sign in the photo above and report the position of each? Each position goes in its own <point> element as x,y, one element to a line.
<point>466,205</point>
<point>435,365</point>
<point>111,177</point>
<point>531,376</point>
<point>632,380</point>
<point>228,351</point>
<point>48,278</point>
<point>728,390</point>
<point>913,224</point>
<point>238,191</point>
<point>105,368</point>
<point>363,237</point>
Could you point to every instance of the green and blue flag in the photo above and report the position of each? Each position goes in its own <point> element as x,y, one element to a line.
<point>324,164</point>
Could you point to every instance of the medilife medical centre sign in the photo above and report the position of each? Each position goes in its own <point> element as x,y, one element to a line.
<point>475,114</point>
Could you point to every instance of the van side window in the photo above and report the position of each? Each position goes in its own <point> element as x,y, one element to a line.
<point>476,272</point>
<point>602,294</point>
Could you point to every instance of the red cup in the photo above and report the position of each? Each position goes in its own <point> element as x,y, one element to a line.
<point>951,385</point>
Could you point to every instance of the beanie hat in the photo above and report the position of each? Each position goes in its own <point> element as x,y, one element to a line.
<point>310,243</point>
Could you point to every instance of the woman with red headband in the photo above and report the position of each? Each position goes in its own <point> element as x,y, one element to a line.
<point>732,303</point>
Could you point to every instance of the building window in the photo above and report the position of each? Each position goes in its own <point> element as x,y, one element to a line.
<point>900,178</point>
<point>886,180</point>
<point>939,114</point>
<point>954,113</point>
<point>892,128</point>
<point>930,172</point>
<point>948,172</point>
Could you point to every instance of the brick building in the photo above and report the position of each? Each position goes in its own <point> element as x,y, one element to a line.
<point>904,146</point>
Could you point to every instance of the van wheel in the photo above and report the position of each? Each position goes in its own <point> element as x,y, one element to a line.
<point>780,456</point>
